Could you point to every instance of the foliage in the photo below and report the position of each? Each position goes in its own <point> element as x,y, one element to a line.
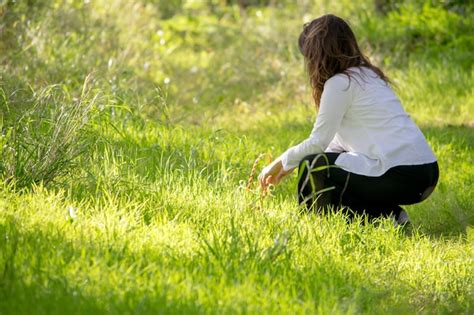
<point>429,29</point>
<point>41,144</point>
<point>136,199</point>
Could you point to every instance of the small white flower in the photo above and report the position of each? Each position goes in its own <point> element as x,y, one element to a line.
<point>167,81</point>
<point>160,33</point>
<point>162,41</point>
<point>259,14</point>
<point>72,212</point>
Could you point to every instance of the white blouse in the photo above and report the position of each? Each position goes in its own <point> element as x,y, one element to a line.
<point>362,118</point>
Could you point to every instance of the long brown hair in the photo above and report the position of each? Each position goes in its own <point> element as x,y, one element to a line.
<point>330,47</point>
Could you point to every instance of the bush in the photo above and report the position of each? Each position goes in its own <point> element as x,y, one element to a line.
<point>42,143</point>
<point>429,30</point>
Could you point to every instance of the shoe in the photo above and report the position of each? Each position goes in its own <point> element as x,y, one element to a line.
<point>402,219</point>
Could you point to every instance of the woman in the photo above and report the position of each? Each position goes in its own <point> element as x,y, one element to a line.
<point>364,152</point>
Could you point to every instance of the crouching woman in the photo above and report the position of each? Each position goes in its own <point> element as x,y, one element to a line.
<point>364,152</point>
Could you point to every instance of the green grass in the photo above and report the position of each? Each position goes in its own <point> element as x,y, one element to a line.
<point>152,214</point>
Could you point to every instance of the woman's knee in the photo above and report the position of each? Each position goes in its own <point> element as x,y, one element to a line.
<point>314,160</point>
<point>307,166</point>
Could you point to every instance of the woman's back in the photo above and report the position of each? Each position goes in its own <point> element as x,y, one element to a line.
<point>375,130</point>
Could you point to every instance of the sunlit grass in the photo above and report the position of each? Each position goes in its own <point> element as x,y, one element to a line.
<point>155,217</point>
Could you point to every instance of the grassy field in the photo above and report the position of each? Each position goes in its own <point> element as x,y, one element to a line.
<point>129,130</point>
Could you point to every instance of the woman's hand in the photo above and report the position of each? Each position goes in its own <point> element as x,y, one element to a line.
<point>272,174</point>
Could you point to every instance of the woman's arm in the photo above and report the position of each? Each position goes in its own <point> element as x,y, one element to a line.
<point>335,100</point>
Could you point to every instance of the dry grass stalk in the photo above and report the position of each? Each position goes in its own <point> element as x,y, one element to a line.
<point>251,179</point>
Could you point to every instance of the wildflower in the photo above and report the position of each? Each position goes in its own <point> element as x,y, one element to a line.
<point>72,213</point>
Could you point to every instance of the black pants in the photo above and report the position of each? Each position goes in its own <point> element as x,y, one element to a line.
<point>322,184</point>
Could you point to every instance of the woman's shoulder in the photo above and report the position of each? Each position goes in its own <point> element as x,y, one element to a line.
<point>343,80</point>
<point>353,77</point>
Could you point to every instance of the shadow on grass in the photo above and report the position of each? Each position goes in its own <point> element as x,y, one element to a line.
<point>43,283</point>
<point>58,298</point>
<point>38,276</point>
<point>449,211</point>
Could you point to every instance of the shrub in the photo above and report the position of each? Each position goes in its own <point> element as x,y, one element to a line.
<point>42,143</point>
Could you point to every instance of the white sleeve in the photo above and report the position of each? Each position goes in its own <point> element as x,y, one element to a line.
<point>335,146</point>
<point>335,100</point>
